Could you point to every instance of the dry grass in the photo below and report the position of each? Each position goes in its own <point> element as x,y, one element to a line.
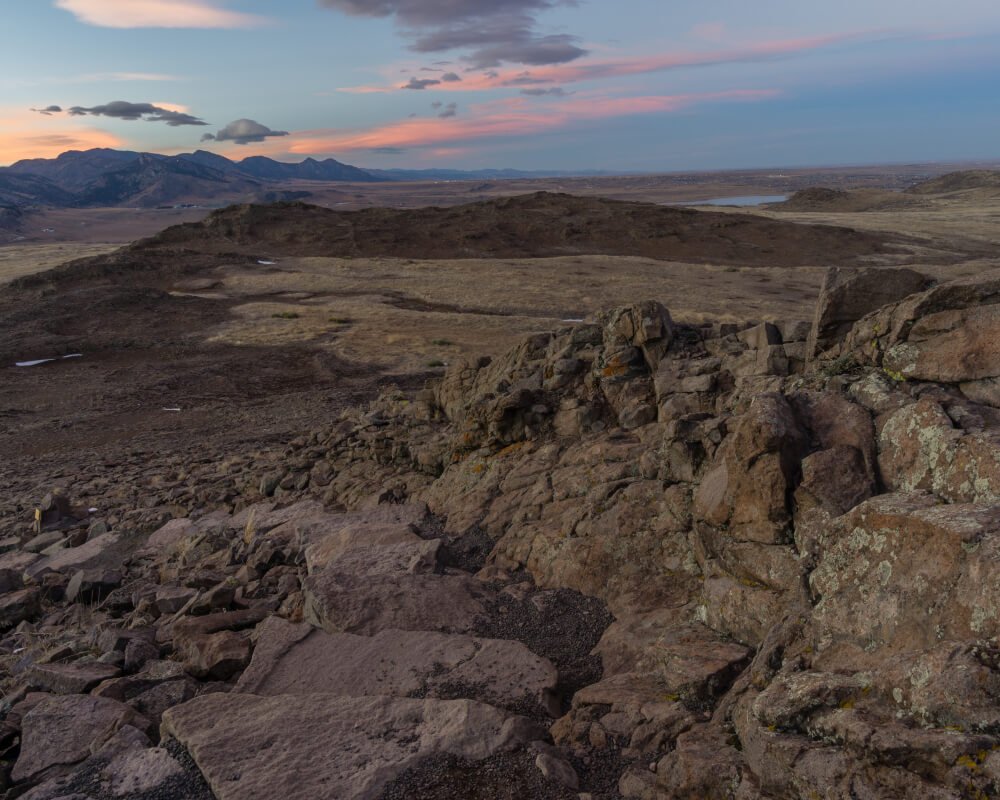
<point>17,260</point>
<point>402,314</point>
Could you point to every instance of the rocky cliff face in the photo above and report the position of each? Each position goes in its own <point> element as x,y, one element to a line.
<point>794,528</point>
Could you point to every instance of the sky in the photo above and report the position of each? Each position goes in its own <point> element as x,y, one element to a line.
<point>622,85</point>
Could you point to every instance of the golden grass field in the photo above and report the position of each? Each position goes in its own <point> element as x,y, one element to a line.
<point>26,259</point>
<point>402,314</point>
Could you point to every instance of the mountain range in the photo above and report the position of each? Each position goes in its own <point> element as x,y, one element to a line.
<point>105,177</point>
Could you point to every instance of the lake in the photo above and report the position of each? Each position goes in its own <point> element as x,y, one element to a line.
<point>740,200</point>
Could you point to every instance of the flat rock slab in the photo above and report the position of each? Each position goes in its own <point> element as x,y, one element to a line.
<point>318,747</point>
<point>75,678</point>
<point>74,558</point>
<point>67,729</point>
<point>310,524</point>
<point>298,659</point>
<point>364,580</point>
<point>384,548</point>
<point>366,604</point>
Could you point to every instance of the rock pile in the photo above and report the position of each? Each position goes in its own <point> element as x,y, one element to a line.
<point>630,558</point>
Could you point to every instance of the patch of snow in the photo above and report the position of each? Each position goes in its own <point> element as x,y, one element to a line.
<point>38,361</point>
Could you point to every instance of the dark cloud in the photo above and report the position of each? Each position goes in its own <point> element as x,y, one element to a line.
<point>436,105</point>
<point>389,151</point>
<point>525,79</point>
<point>120,109</point>
<point>450,110</point>
<point>490,31</point>
<point>535,50</point>
<point>243,131</point>
<point>420,83</point>
<point>451,77</point>
<point>48,110</point>
<point>556,92</point>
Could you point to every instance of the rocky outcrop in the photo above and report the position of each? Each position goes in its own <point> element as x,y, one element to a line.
<point>760,529</point>
<point>632,557</point>
<point>848,295</point>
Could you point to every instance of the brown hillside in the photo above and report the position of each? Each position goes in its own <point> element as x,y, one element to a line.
<point>536,225</point>
<point>839,200</point>
<point>959,182</point>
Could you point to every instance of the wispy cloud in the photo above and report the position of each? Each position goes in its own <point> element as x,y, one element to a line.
<point>158,14</point>
<point>502,119</point>
<point>599,69</point>
<point>101,77</point>
<point>7,81</point>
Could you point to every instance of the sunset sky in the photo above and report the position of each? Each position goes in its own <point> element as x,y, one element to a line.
<point>630,85</point>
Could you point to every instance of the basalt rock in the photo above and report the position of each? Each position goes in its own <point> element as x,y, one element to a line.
<point>848,295</point>
<point>797,541</point>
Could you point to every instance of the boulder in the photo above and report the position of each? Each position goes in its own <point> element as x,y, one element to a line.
<point>63,730</point>
<point>315,747</point>
<point>921,449</point>
<point>141,772</point>
<point>19,606</point>
<point>747,487</point>
<point>848,295</point>
<point>954,346</point>
<point>217,655</point>
<point>903,573</point>
<point>92,585</point>
<point>645,325</point>
<point>12,567</point>
<point>189,627</point>
<point>947,333</point>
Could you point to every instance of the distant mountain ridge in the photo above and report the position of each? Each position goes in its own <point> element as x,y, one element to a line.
<point>75,169</point>
<point>482,174</point>
<point>107,177</point>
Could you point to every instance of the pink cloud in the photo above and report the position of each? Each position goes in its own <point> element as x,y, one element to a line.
<point>25,134</point>
<point>15,146</point>
<point>502,119</point>
<point>157,14</point>
<point>617,68</point>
